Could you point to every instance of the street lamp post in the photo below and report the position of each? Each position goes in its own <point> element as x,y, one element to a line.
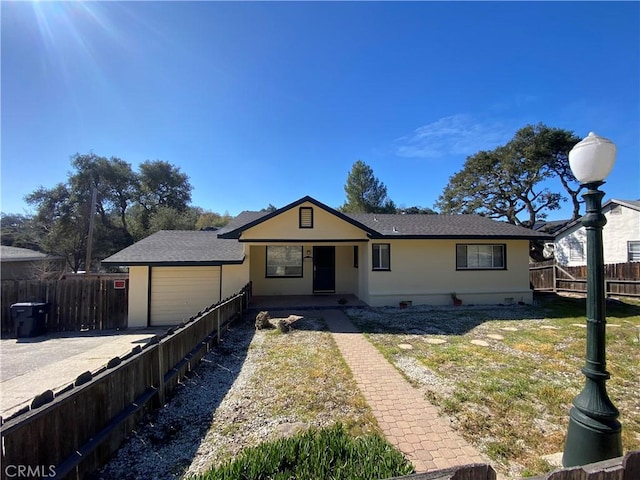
<point>594,432</point>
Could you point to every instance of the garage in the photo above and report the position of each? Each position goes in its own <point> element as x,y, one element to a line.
<point>178,293</point>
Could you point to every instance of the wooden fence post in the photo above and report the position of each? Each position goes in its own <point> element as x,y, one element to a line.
<point>161,372</point>
<point>218,324</point>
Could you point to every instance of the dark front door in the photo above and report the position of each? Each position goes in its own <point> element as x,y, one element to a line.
<point>324,269</point>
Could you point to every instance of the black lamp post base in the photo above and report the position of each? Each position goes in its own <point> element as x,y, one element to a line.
<point>590,440</point>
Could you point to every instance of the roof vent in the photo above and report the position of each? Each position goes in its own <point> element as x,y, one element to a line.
<point>375,219</point>
<point>395,230</point>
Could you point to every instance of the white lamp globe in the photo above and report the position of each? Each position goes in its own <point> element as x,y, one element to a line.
<point>592,159</point>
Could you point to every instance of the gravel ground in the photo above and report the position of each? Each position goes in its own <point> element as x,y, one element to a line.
<point>233,401</point>
<point>167,444</point>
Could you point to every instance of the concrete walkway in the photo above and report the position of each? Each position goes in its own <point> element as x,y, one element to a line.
<point>30,366</point>
<point>408,421</point>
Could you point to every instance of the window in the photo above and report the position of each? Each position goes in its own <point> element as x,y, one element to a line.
<point>480,257</point>
<point>355,256</point>
<point>306,217</point>
<point>634,250</point>
<point>381,256</point>
<point>576,250</point>
<point>284,261</point>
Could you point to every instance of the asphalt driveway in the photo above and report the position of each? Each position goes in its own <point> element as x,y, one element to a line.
<point>29,366</point>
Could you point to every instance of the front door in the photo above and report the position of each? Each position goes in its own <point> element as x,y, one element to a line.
<point>324,269</point>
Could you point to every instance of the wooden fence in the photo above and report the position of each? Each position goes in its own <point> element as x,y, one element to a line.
<point>621,468</point>
<point>76,302</point>
<point>73,432</point>
<point>621,279</point>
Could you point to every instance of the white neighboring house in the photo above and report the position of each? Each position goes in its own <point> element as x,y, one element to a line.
<point>620,236</point>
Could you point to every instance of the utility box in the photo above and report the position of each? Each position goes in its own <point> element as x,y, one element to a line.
<point>29,318</point>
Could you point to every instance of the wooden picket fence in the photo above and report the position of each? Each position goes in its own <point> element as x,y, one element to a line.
<point>73,432</point>
<point>75,302</point>
<point>621,279</point>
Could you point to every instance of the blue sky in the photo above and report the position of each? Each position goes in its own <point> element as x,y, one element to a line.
<point>264,102</point>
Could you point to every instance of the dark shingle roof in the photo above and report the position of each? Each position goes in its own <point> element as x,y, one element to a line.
<point>442,226</point>
<point>401,225</point>
<point>16,254</point>
<point>179,247</point>
<point>242,219</point>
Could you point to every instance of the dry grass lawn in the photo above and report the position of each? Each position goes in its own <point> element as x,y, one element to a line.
<point>507,375</point>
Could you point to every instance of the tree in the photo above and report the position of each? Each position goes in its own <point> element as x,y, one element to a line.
<point>62,223</point>
<point>365,193</point>
<point>169,218</point>
<point>163,185</point>
<point>211,220</point>
<point>416,210</point>
<point>269,208</point>
<point>129,206</point>
<point>18,230</point>
<point>507,182</point>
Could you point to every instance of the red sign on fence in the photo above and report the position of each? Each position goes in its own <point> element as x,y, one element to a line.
<point>119,284</point>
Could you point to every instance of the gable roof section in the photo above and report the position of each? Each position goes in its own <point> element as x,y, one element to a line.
<point>17,254</point>
<point>179,247</point>
<point>240,228</point>
<point>632,204</point>
<point>398,225</point>
<point>443,226</point>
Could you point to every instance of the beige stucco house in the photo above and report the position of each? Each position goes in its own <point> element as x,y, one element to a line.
<point>620,236</point>
<point>308,248</point>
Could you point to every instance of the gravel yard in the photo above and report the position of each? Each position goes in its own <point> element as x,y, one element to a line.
<point>255,386</point>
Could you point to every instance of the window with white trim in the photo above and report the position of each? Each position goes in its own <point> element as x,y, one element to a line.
<point>284,261</point>
<point>480,257</point>
<point>633,249</point>
<point>381,256</point>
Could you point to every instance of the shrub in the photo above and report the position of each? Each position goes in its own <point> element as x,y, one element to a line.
<point>316,455</point>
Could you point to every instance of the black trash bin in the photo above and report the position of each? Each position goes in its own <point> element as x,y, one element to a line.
<point>29,318</point>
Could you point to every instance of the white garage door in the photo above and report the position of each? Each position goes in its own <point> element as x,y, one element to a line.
<point>178,293</point>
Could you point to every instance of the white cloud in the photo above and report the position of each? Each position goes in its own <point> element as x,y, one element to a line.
<point>460,134</point>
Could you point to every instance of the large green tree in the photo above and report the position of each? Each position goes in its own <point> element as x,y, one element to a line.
<point>365,193</point>
<point>62,222</point>
<point>18,230</point>
<point>129,206</point>
<point>508,182</point>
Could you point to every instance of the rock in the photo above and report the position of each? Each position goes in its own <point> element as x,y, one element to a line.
<point>405,346</point>
<point>263,320</point>
<point>289,429</point>
<point>435,341</point>
<point>480,343</point>
<point>495,336</point>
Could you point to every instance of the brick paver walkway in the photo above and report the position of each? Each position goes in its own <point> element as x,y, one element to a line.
<point>408,421</point>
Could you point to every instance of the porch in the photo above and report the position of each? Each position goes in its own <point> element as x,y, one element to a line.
<point>303,302</point>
